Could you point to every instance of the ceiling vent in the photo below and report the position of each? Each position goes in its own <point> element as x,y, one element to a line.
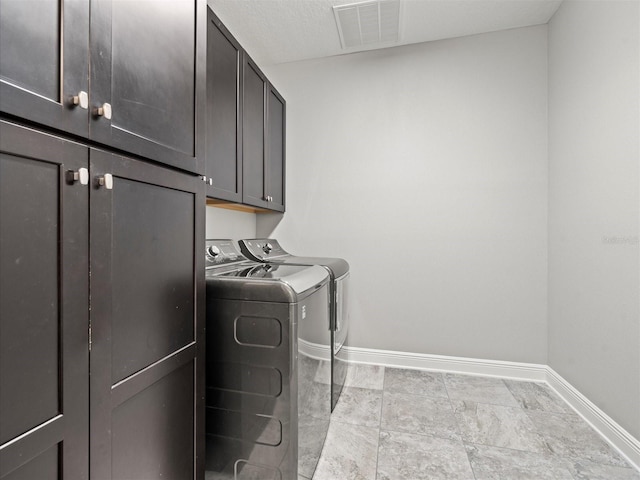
<point>368,23</point>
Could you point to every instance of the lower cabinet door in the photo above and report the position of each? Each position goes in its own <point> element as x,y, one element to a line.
<point>111,389</point>
<point>147,321</point>
<point>44,307</point>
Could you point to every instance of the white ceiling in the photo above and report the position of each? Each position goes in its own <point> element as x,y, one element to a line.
<point>279,31</point>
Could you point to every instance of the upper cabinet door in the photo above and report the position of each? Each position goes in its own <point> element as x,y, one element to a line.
<point>224,109</point>
<point>38,82</point>
<point>275,171</point>
<point>253,134</point>
<point>147,76</point>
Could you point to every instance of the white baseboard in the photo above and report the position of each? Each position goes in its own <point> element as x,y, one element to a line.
<point>314,350</point>
<point>469,366</point>
<point>617,436</point>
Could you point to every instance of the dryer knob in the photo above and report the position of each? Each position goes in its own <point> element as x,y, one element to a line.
<point>267,248</point>
<point>213,251</point>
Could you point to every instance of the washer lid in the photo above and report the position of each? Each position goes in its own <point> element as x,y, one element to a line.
<point>269,250</point>
<point>265,282</point>
<point>266,271</point>
<point>226,265</point>
<point>337,267</point>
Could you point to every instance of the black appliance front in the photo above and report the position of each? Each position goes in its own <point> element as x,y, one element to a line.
<point>270,251</point>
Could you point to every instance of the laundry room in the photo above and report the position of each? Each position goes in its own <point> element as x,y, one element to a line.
<point>320,239</point>
<point>472,184</point>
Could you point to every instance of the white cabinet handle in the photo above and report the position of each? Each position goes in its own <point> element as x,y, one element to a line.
<point>81,100</point>
<point>104,111</point>
<point>106,181</point>
<point>81,175</point>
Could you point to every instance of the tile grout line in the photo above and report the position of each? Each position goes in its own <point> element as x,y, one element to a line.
<point>384,381</point>
<point>453,412</point>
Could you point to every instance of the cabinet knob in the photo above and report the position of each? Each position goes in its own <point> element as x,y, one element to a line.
<point>81,100</point>
<point>104,111</point>
<point>106,181</point>
<point>81,175</point>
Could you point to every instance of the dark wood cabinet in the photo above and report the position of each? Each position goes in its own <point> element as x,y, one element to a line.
<point>102,285</point>
<point>100,274</point>
<point>254,85</point>
<point>245,127</point>
<point>44,307</point>
<point>147,321</point>
<point>129,75</point>
<point>224,113</point>
<point>148,67</point>
<point>263,140</point>
<point>276,142</point>
<point>38,82</point>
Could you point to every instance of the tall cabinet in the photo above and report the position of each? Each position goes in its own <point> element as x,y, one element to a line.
<point>101,239</point>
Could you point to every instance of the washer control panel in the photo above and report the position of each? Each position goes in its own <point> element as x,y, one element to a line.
<point>220,252</point>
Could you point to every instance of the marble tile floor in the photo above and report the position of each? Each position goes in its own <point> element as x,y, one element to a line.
<point>396,424</point>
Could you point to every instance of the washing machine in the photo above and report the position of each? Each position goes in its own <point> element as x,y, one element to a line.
<point>269,250</point>
<point>267,412</point>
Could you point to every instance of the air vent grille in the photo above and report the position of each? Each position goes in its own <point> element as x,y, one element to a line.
<point>368,23</point>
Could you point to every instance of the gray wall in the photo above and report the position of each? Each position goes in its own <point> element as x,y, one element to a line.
<point>594,182</point>
<point>224,223</point>
<point>442,145</point>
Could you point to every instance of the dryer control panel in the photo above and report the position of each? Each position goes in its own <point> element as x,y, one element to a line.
<point>262,248</point>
